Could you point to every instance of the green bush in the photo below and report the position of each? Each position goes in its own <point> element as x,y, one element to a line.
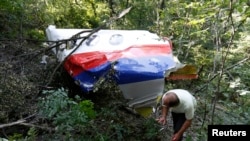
<point>66,114</point>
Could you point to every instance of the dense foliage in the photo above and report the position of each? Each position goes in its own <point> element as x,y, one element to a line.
<point>213,35</point>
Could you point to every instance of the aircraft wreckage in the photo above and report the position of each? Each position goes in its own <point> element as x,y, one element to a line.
<point>140,61</point>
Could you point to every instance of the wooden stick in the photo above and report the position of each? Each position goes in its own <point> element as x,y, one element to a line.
<point>37,126</point>
<point>12,123</point>
<point>17,122</point>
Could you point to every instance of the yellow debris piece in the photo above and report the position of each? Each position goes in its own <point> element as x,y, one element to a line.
<point>185,73</point>
<point>144,111</point>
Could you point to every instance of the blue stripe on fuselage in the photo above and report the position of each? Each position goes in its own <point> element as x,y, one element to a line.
<point>130,70</point>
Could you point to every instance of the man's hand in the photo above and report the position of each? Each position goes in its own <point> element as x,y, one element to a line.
<point>161,120</point>
<point>176,137</point>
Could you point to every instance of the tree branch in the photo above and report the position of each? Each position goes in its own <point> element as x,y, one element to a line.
<point>37,126</point>
<point>225,71</point>
<point>17,122</point>
<point>12,123</point>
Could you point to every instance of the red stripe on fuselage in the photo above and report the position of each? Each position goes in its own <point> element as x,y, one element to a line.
<point>139,51</point>
<point>77,63</point>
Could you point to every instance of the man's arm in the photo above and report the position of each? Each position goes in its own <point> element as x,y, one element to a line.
<point>166,99</point>
<point>184,127</point>
<point>162,119</point>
